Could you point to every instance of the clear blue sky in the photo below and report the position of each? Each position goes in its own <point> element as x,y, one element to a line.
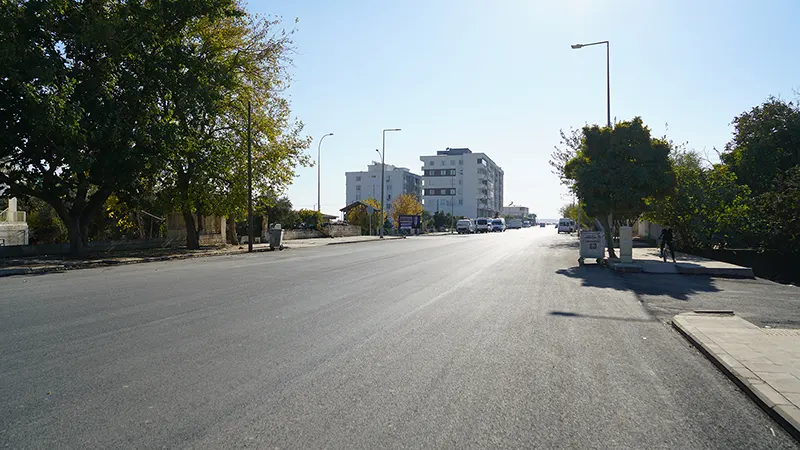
<point>500,77</point>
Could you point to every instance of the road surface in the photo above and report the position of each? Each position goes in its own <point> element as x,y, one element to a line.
<point>474,341</point>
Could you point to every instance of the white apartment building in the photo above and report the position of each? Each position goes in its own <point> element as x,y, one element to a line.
<point>398,180</point>
<point>521,212</point>
<point>464,183</point>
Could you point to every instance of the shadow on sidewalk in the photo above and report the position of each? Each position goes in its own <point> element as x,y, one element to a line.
<point>679,287</point>
<point>591,316</point>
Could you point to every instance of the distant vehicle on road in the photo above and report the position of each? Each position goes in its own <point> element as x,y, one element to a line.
<point>483,225</point>
<point>465,226</point>
<point>526,223</point>
<point>542,224</point>
<point>499,224</point>
<point>566,225</point>
<point>514,224</point>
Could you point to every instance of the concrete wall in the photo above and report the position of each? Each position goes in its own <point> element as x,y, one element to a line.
<point>94,247</point>
<point>13,233</point>
<point>213,232</point>
<point>332,230</point>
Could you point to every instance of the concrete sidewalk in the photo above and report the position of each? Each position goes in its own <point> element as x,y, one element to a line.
<point>647,260</point>
<point>35,266</point>
<point>765,362</point>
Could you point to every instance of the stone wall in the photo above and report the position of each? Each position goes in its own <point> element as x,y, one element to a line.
<point>302,234</point>
<point>213,232</point>
<point>94,247</point>
<point>342,230</point>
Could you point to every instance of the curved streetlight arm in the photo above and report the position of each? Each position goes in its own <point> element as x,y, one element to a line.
<point>319,155</point>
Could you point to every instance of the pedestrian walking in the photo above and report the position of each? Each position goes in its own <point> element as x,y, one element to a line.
<point>666,238</point>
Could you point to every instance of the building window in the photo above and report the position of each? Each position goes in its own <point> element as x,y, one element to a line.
<point>388,197</point>
<point>452,162</point>
<point>430,163</point>
<point>460,201</point>
<point>459,182</point>
<point>388,178</point>
<point>358,187</point>
<point>442,163</point>
<point>358,178</point>
<point>460,162</point>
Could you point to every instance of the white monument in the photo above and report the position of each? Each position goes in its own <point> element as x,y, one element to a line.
<point>13,225</point>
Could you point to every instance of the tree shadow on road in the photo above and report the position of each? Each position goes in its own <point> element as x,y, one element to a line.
<point>592,316</point>
<point>566,245</point>
<point>679,287</point>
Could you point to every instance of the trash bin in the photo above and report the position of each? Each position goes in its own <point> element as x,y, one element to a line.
<point>592,246</point>
<point>276,237</point>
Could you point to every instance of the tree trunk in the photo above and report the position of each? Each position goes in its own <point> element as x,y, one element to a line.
<point>232,238</point>
<point>609,236</point>
<point>140,225</point>
<point>77,244</point>
<point>192,235</point>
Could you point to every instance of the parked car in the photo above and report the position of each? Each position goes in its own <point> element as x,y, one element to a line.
<point>499,224</point>
<point>514,224</point>
<point>465,226</point>
<point>566,225</point>
<point>483,225</point>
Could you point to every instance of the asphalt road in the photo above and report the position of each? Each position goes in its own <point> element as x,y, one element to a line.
<point>485,341</point>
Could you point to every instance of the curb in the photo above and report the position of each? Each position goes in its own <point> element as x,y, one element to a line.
<point>40,270</point>
<point>761,393</point>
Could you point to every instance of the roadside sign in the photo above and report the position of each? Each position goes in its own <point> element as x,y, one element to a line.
<point>408,221</point>
<point>370,209</point>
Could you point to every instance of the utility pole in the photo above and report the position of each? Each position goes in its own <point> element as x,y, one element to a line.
<point>249,181</point>
<point>319,168</point>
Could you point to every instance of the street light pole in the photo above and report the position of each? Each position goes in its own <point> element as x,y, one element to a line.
<point>319,168</point>
<point>249,181</point>
<point>608,99</point>
<point>383,173</point>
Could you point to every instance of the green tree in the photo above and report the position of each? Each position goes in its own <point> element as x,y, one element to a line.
<point>206,171</point>
<point>617,170</point>
<point>80,89</point>
<point>765,145</point>
<point>276,210</point>
<point>310,218</point>
<point>778,212</point>
<point>707,207</point>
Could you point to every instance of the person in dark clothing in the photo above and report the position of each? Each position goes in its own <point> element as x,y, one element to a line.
<point>666,240</point>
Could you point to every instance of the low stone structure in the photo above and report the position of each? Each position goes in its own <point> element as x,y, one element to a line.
<point>13,225</point>
<point>212,233</point>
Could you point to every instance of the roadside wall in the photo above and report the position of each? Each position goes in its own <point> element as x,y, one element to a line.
<point>19,251</point>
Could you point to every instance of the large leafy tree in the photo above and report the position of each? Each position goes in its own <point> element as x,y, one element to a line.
<point>206,171</point>
<point>707,208</point>
<point>617,169</point>
<point>766,144</point>
<point>80,89</point>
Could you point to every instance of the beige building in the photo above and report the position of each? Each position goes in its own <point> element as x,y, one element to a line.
<point>13,225</point>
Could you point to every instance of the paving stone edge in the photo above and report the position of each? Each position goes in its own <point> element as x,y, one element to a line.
<point>758,391</point>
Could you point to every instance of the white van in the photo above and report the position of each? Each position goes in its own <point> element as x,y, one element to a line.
<point>465,226</point>
<point>499,224</point>
<point>566,225</point>
<point>483,225</point>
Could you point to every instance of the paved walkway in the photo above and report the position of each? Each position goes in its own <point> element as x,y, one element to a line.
<point>763,361</point>
<point>647,260</point>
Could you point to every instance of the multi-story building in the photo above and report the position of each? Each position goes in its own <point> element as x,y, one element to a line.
<point>398,180</point>
<point>464,183</point>
<point>520,212</point>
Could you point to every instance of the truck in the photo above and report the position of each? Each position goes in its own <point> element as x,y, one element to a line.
<point>514,224</point>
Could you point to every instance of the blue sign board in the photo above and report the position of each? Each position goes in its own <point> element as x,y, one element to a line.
<point>407,221</point>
